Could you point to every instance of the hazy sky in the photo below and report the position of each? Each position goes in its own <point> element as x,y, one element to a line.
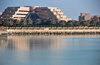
<point>71,8</point>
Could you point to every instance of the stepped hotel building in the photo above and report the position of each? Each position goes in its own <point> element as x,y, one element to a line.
<point>34,12</point>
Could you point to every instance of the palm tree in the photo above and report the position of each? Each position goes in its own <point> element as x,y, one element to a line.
<point>16,23</point>
<point>70,23</point>
<point>29,22</point>
<point>8,22</point>
<point>23,22</point>
<point>45,22</point>
<point>0,23</point>
<point>53,22</point>
<point>98,24</point>
<point>38,22</point>
<point>62,23</point>
<point>92,23</point>
<point>76,23</point>
<point>85,23</point>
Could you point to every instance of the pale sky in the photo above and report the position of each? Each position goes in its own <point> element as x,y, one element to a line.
<point>71,8</point>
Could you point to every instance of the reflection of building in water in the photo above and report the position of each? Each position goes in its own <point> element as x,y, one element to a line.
<point>46,42</point>
<point>18,42</point>
<point>41,42</point>
<point>3,41</point>
<point>34,42</point>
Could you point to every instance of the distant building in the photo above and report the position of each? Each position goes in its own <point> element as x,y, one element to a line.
<point>34,12</point>
<point>0,13</point>
<point>85,16</point>
<point>96,18</point>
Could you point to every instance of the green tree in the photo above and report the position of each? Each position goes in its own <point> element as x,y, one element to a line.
<point>23,22</point>
<point>8,22</point>
<point>76,23</point>
<point>93,23</point>
<point>46,22</point>
<point>0,23</point>
<point>98,24</point>
<point>53,22</point>
<point>62,23</point>
<point>16,23</point>
<point>70,23</point>
<point>29,22</point>
<point>85,23</point>
<point>38,22</point>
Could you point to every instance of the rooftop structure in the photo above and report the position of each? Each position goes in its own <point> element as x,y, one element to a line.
<point>34,12</point>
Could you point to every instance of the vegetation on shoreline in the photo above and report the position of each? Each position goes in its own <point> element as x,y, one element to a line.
<point>47,23</point>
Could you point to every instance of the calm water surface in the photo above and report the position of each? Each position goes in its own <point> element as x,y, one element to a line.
<point>50,50</point>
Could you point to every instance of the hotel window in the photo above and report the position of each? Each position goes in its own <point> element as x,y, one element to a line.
<point>21,14</point>
<point>13,8</point>
<point>43,9</point>
<point>10,11</point>
<point>15,17</point>
<point>23,11</point>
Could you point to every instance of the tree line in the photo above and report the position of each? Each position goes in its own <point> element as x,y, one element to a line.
<point>47,23</point>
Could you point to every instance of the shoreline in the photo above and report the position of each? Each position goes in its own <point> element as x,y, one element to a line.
<point>50,32</point>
